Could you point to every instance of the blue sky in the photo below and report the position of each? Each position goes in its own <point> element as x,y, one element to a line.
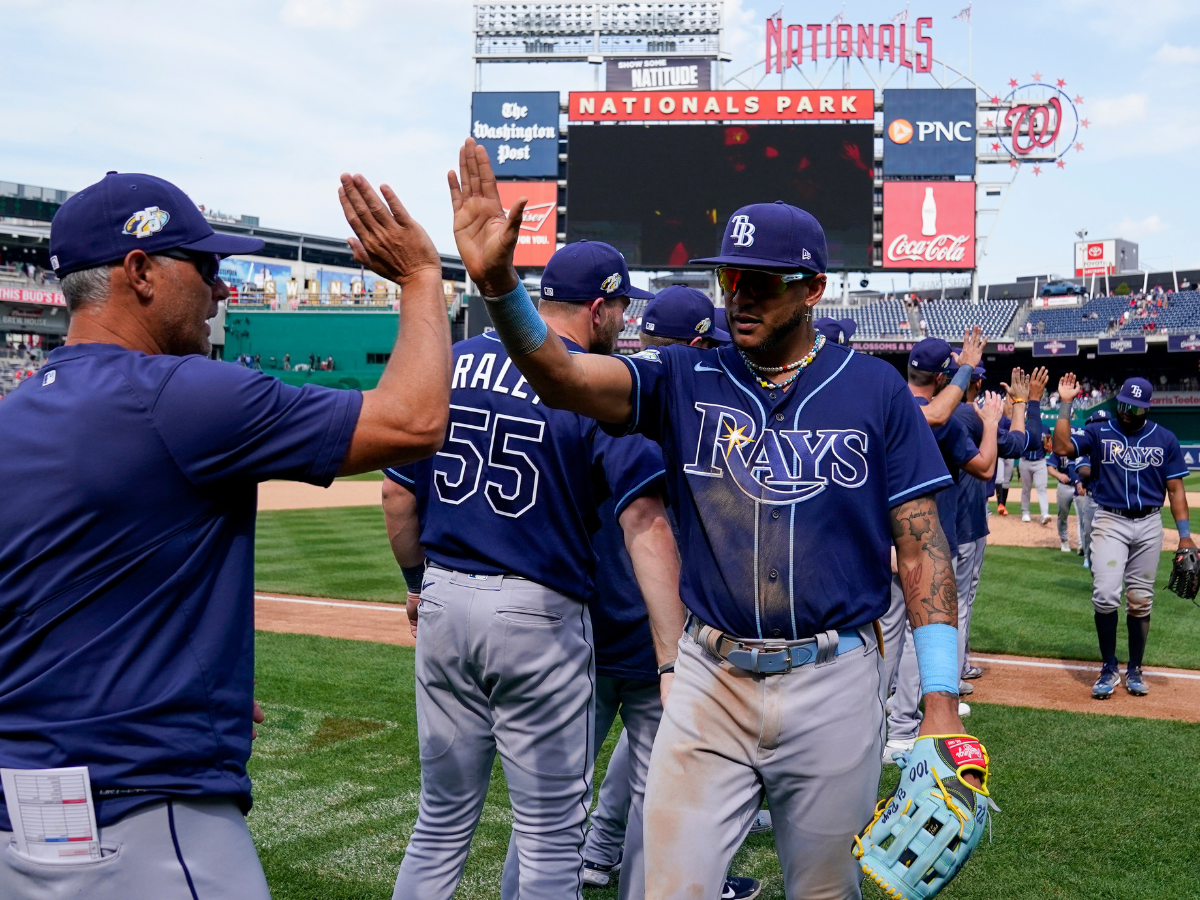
<point>256,107</point>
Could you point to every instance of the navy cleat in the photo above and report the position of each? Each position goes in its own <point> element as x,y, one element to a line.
<point>1109,681</point>
<point>1134,683</point>
<point>741,889</point>
<point>970,673</point>
<point>598,875</point>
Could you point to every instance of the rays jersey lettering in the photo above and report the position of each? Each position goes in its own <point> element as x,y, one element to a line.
<point>779,467</point>
<point>1133,459</point>
<point>1129,471</point>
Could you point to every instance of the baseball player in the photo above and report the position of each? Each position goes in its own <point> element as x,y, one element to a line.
<point>625,664</point>
<point>1135,466</point>
<point>1012,439</point>
<point>506,660</point>
<point>1032,467</point>
<point>1085,503</point>
<point>1069,486</point>
<point>129,471</point>
<point>838,331</point>
<point>928,372</point>
<point>793,463</point>
<point>1004,471</point>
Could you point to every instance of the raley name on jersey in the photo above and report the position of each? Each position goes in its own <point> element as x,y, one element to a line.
<point>481,377</point>
<point>777,466</point>
<point>1133,459</point>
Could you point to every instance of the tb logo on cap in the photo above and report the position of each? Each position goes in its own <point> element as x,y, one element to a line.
<point>146,222</point>
<point>742,231</point>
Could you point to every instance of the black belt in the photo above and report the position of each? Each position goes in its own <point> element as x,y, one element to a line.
<point>1133,513</point>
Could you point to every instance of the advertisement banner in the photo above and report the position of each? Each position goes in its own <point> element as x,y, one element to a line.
<point>1183,343</point>
<point>905,346</point>
<point>1191,455</point>
<point>1056,348</point>
<point>519,129</point>
<point>22,295</point>
<point>1095,258</point>
<point>707,106</point>
<point>658,74</point>
<point>928,132</point>
<point>1110,346</point>
<point>929,225</point>
<point>1175,398</point>
<point>245,274</point>
<point>539,224</point>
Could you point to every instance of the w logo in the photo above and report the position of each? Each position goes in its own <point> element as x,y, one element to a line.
<point>742,231</point>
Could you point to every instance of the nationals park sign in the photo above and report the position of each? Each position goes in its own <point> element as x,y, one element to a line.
<point>699,106</point>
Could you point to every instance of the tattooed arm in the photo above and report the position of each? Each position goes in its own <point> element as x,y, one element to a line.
<point>925,565</point>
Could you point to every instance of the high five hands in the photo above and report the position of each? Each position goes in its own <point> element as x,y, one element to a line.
<point>485,236</point>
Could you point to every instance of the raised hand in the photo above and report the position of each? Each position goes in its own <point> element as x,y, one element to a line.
<point>992,408</point>
<point>972,349</point>
<point>486,238</point>
<point>1037,383</point>
<point>387,240</point>
<point>1068,388</point>
<point>1019,390</point>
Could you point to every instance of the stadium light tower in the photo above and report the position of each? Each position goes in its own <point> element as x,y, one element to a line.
<point>591,32</point>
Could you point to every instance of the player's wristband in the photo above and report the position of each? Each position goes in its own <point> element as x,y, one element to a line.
<point>517,322</point>
<point>937,657</point>
<point>1184,526</point>
<point>962,378</point>
<point>667,668</point>
<point>413,576</point>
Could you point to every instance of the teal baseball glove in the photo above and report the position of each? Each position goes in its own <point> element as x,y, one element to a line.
<point>923,834</point>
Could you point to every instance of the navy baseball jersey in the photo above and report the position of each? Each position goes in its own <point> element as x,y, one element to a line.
<point>516,487</point>
<point>127,563</point>
<point>973,492</point>
<point>1065,466</point>
<point>957,449</point>
<point>1130,471</point>
<point>782,498</point>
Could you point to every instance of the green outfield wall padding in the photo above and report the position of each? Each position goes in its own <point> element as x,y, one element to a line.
<point>359,342</point>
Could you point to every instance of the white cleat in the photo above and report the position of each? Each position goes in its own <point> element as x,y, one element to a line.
<point>1025,517</point>
<point>1045,520</point>
<point>1065,547</point>
<point>895,748</point>
<point>762,822</point>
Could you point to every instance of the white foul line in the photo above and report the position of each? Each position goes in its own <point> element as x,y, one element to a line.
<point>1047,665</point>
<point>397,608</point>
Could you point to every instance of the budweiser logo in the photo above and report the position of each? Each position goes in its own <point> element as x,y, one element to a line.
<point>941,248</point>
<point>535,215</point>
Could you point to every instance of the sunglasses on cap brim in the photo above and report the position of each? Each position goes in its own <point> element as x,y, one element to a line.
<point>756,282</point>
<point>1130,410</point>
<point>207,264</point>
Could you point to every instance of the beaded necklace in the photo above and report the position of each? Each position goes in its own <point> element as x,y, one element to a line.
<point>799,365</point>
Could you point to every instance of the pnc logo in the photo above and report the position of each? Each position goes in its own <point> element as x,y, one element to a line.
<point>900,131</point>
<point>742,231</point>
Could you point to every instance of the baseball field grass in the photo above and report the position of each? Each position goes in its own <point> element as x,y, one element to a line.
<point>1032,601</point>
<point>1093,806</point>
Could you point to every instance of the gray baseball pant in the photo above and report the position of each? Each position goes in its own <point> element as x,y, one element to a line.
<point>1065,495</point>
<point>606,834</point>
<point>503,665</point>
<point>893,624</point>
<point>1033,475</point>
<point>811,739</point>
<point>1004,471</point>
<point>192,849</point>
<point>968,566</point>
<point>640,706</point>
<point>1125,550</point>
<point>1085,510</point>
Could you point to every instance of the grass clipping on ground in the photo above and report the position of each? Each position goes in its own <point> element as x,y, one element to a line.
<point>1092,805</point>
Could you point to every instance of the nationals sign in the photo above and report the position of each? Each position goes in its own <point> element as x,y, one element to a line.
<point>929,225</point>
<point>539,224</point>
<point>708,106</point>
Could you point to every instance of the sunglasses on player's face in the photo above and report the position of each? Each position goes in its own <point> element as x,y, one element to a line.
<point>756,282</point>
<point>207,264</point>
<point>1128,409</point>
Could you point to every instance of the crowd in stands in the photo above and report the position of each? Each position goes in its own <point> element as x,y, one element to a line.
<point>28,272</point>
<point>17,364</point>
<point>315,363</point>
<point>1153,312</point>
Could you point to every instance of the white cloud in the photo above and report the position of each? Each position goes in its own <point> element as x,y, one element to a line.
<point>1169,53</point>
<point>1124,110</point>
<point>1138,230</point>
<point>340,14</point>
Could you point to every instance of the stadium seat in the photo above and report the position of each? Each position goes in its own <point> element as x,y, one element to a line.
<point>947,319</point>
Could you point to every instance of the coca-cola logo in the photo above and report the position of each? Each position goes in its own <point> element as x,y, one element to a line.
<point>942,248</point>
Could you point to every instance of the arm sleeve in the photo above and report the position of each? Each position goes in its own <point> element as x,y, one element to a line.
<point>221,421</point>
<point>1174,464</point>
<point>1085,442</point>
<point>633,467</point>
<point>650,372</point>
<point>914,463</point>
<point>405,476</point>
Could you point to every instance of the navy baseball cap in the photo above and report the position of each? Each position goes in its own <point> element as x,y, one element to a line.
<point>587,270</point>
<point>979,373</point>
<point>682,312</point>
<point>930,355</point>
<point>837,331</point>
<point>1136,392</point>
<point>772,236</point>
<point>119,213</point>
<point>1100,415</point>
